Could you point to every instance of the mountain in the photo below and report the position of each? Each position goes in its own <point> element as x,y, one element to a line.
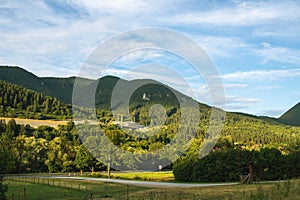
<point>292,116</point>
<point>60,88</point>
<point>151,92</point>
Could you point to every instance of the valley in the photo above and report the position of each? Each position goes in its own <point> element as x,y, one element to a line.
<point>38,135</point>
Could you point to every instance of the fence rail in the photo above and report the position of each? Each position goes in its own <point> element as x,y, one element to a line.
<point>72,189</point>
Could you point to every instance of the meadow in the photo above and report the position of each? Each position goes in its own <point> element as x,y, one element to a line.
<point>80,189</point>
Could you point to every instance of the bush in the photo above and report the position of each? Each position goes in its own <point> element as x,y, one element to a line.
<point>228,164</point>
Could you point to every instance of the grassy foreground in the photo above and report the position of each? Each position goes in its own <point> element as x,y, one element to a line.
<point>75,189</point>
<point>67,189</point>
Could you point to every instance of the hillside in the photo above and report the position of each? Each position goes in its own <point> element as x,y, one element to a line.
<point>292,116</point>
<point>150,93</point>
<point>18,101</point>
<point>242,134</point>
<point>60,88</point>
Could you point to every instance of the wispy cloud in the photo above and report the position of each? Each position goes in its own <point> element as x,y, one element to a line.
<point>221,46</point>
<point>238,102</point>
<point>272,112</point>
<point>267,87</point>
<point>235,86</point>
<point>261,75</point>
<point>281,54</point>
<point>243,14</point>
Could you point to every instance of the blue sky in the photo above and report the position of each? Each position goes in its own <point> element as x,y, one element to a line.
<point>255,45</point>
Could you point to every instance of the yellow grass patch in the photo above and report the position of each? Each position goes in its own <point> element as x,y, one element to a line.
<point>35,122</point>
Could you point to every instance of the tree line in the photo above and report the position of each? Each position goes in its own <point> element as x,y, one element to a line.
<point>228,162</point>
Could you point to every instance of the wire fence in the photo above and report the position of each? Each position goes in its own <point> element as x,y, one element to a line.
<point>33,188</point>
<point>46,188</point>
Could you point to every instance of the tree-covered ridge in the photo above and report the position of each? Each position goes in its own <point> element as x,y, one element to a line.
<point>62,89</point>
<point>17,101</point>
<point>292,116</point>
<point>59,88</point>
<point>255,133</point>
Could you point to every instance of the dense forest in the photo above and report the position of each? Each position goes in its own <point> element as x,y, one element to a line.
<point>228,162</point>
<point>292,116</point>
<point>17,101</point>
<point>46,149</point>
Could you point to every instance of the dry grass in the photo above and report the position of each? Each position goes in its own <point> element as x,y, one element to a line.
<point>36,123</point>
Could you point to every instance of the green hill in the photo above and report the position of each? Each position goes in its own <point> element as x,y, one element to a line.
<point>150,93</point>
<point>60,88</point>
<point>18,101</point>
<point>292,116</point>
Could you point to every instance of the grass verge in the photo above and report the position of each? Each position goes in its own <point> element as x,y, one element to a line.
<point>81,189</point>
<point>42,188</point>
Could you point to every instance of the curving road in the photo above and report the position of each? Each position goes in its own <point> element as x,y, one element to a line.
<point>151,184</point>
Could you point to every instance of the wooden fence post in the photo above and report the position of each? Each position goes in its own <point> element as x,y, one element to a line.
<point>24,195</point>
<point>127,192</point>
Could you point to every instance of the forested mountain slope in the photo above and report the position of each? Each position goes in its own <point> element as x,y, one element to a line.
<point>60,88</point>
<point>292,116</point>
<point>148,94</point>
<point>17,101</point>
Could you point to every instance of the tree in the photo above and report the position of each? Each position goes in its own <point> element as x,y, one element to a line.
<point>84,159</point>
<point>3,165</point>
<point>12,128</point>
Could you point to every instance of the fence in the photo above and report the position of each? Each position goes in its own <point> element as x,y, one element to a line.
<point>33,188</point>
<point>27,188</point>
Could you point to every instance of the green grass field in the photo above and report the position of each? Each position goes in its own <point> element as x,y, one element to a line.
<point>78,189</point>
<point>144,176</point>
<point>67,189</point>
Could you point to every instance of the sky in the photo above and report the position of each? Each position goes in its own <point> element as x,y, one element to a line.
<point>254,45</point>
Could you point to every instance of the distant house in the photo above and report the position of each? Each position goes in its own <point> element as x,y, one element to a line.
<point>145,97</point>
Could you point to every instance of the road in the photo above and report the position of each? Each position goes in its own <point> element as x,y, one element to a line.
<point>151,184</point>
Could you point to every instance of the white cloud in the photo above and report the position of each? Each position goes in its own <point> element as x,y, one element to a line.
<point>243,14</point>
<point>272,112</point>
<point>116,6</point>
<point>221,46</point>
<point>281,54</point>
<point>235,86</point>
<point>267,87</point>
<point>261,75</point>
<point>238,102</point>
<point>138,55</point>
